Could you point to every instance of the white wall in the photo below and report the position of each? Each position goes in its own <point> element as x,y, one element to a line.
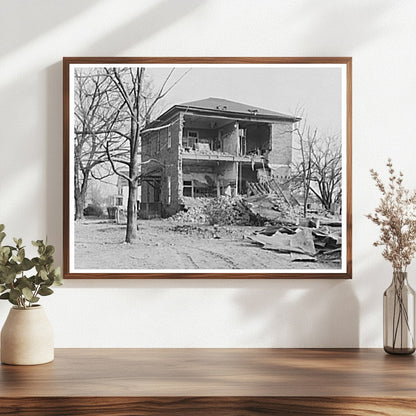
<point>380,35</point>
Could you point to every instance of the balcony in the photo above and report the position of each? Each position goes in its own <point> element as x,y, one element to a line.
<point>204,153</point>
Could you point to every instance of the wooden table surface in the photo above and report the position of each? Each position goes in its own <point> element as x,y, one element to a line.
<point>212,382</point>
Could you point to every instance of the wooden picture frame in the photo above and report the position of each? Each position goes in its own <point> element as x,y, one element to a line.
<point>195,149</point>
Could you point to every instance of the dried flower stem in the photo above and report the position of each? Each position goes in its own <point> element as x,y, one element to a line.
<point>396,217</point>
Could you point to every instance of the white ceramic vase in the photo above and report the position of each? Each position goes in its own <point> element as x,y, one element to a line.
<point>27,337</point>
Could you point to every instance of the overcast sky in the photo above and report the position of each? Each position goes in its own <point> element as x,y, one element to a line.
<point>316,90</point>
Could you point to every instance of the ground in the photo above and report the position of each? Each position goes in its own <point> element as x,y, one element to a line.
<point>163,244</point>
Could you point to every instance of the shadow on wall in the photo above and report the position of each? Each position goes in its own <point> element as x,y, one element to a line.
<point>41,16</point>
<point>336,17</point>
<point>301,313</point>
<point>158,17</point>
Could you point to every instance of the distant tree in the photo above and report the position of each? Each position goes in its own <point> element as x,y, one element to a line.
<point>317,165</point>
<point>92,114</point>
<point>302,166</point>
<point>326,160</point>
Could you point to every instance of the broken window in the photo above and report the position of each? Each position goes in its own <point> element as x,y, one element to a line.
<point>169,190</point>
<point>190,139</point>
<point>188,188</point>
<point>169,137</point>
<point>243,141</point>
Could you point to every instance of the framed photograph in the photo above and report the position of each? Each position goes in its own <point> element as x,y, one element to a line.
<point>207,168</point>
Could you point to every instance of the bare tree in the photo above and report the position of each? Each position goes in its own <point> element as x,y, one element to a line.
<point>114,106</point>
<point>326,159</point>
<point>317,166</point>
<point>92,114</point>
<point>303,166</point>
<point>136,105</point>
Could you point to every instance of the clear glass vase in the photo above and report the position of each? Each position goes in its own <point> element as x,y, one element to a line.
<point>399,316</point>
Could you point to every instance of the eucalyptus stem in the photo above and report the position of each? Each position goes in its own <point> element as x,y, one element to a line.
<point>23,280</point>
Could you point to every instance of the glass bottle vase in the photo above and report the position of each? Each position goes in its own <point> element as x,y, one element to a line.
<point>399,316</point>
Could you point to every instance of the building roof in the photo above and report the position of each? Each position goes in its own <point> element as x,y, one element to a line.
<point>220,104</point>
<point>226,108</point>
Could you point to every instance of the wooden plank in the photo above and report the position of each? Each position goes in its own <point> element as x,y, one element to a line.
<point>207,406</point>
<point>225,382</point>
<point>214,372</point>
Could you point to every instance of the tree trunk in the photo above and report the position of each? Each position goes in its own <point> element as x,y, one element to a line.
<point>305,200</point>
<point>80,194</point>
<point>79,206</point>
<point>131,231</point>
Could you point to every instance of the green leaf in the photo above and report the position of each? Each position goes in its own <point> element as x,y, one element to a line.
<point>58,280</point>
<point>43,274</point>
<point>11,248</point>
<point>21,254</point>
<point>37,243</point>
<point>2,227</point>
<point>27,293</point>
<point>15,294</point>
<point>13,302</point>
<point>49,250</point>
<point>18,242</point>
<point>4,255</point>
<point>24,282</point>
<point>26,264</point>
<point>2,289</point>
<point>2,236</point>
<point>45,291</point>
<point>8,277</point>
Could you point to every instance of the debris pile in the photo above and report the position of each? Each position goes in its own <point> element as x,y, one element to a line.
<point>302,243</point>
<point>238,210</point>
<point>193,211</point>
<point>214,211</point>
<point>304,239</point>
<point>227,211</point>
<point>269,208</point>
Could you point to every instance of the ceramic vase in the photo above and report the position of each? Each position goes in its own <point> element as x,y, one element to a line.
<point>27,337</point>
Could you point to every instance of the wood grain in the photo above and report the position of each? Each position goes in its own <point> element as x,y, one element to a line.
<point>212,381</point>
<point>207,406</point>
<point>67,61</point>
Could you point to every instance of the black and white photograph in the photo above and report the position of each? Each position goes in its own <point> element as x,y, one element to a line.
<point>211,169</point>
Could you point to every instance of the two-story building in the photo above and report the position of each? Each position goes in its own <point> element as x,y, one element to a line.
<point>209,148</point>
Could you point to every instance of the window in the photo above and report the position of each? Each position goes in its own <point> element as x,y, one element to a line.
<point>119,201</point>
<point>169,190</point>
<point>191,138</point>
<point>169,138</point>
<point>188,188</point>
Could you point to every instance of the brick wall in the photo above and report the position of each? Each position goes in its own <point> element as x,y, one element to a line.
<point>172,166</point>
<point>281,135</point>
<point>155,146</point>
<point>229,135</point>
